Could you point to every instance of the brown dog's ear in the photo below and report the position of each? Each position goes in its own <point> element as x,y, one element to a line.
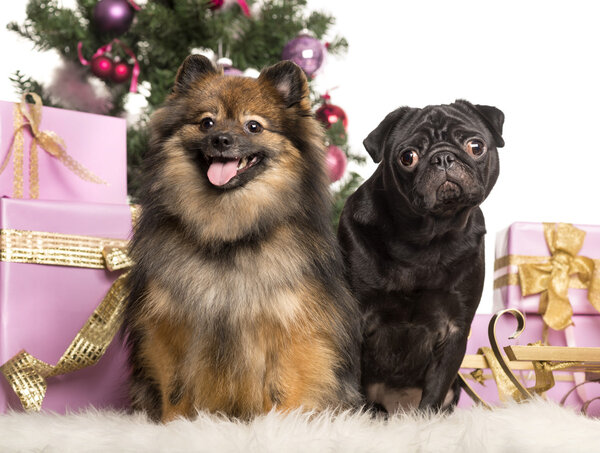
<point>492,117</point>
<point>193,68</point>
<point>289,79</point>
<point>376,139</point>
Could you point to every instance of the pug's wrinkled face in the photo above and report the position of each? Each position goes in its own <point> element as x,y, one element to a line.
<point>441,159</point>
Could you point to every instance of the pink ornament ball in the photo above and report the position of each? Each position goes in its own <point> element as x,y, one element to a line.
<point>228,68</point>
<point>102,67</point>
<point>121,73</point>
<point>113,16</point>
<point>306,51</point>
<point>329,114</point>
<point>336,162</point>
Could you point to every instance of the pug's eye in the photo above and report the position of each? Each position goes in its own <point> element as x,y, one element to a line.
<point>409,158</point>
<point>475,148</point>
<point>254,127</point>
<point>207,123</point>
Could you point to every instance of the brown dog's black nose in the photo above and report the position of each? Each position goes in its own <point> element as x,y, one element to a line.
<point>443,160</point>
<point>222,142</point>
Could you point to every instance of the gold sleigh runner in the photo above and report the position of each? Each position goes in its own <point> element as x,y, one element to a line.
<point>26,374</point>
<point>543,361</point>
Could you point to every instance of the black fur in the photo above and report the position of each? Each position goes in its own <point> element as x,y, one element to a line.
<point>414,251</point>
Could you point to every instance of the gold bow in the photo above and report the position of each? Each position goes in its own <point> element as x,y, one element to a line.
<point>47,140</point>
<point>551,278</point>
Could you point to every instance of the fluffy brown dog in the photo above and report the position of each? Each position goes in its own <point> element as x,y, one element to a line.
<point>238,302</point>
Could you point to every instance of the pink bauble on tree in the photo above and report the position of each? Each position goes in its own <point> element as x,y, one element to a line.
<point>102,67</point>
<point>329,114</point>
<point>336,162</point>
<point>121,72</point>
<point>113,16</point>
<point>306,51</point>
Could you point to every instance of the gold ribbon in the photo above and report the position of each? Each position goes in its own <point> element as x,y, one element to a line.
<point>552,276</point>
<point>39,247</point>
<point>27,375</point>
<point>47,140</point>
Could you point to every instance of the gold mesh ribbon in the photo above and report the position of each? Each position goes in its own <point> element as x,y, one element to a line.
<point>47,140</point>
<point>27,375</point>
<point>551,277</point>
<point>38,247</point>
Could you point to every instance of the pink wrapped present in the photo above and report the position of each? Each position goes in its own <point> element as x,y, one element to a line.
<point>553,264</point>
<point>44,306</point>
<point>81,156</point>
<point>585,333</point>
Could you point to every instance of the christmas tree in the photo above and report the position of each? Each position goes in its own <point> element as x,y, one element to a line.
<point>106,44</point>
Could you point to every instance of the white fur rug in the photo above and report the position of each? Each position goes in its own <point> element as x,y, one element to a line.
<point>538,426</point>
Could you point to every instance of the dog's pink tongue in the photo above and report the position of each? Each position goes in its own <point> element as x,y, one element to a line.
<point>220,173</point>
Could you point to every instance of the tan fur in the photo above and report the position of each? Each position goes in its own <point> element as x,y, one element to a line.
<point>293,359</point>
<point>240,328</point>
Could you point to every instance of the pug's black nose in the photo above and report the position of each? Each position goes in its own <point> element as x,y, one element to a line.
<point>222,142</point>
<point>443,160</point>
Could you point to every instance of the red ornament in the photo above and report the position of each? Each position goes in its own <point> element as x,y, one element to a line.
<point>215,4</point>
<point>329,114</point>
<point>336,162</point>
<point>121,72</point>
<point>102,67</point>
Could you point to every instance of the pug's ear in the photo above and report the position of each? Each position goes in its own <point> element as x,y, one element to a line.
<point>289,80</point>
<point>194,67</point>
<point>495,120</point>
<point>491,116</point>
<point>376,139</point>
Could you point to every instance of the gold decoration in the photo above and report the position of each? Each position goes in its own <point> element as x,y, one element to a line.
<point>48,140</point>
<point>553,276</point>
<point>27,375</point>
<point>38,247</point>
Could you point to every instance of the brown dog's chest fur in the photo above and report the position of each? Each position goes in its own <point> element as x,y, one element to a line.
<point>244,346</point>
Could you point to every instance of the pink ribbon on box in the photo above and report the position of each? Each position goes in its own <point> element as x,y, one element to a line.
<point>107,48</point>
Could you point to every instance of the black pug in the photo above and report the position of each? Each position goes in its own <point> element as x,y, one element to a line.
<point>413,241</point>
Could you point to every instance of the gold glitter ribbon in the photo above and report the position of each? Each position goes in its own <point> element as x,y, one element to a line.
<point>27,375</point>
<point>551,277</point>
<point>39,247</point>
<point>47,140</point>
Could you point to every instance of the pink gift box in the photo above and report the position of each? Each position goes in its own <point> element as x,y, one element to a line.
<point>97,142</point>
<point>43,307</point>
<point>528,239</point>
<point>585,333</point>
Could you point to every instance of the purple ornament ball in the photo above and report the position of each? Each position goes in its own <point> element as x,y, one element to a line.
<point>306,51</point>
<point>102,67</point>
<point>228,68</point>
<point>113,16</point>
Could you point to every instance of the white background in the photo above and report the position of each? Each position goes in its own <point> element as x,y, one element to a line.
<point>535,60</point>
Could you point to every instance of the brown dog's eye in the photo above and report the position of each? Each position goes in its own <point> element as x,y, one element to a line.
<point>254,127</point>
<point>409,158</point>
<point>475,148</point>
<point>207,123</point>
